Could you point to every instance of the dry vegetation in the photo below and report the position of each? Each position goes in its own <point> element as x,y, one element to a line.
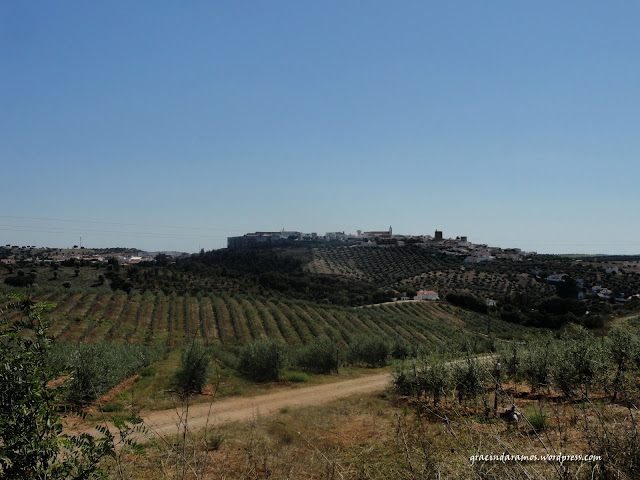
<point>384,436</point>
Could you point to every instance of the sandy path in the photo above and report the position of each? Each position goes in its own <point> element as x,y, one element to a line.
<point>164,423</point>
<point>239,409</point>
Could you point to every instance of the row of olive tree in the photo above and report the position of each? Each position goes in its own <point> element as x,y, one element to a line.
<point>577,363</point>
<point>266,360</point>
<point>574,365</point>
<point>433,377</point>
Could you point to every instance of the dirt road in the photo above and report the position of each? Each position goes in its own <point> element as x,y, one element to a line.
<point>238,409</point>
<point>164,423</point>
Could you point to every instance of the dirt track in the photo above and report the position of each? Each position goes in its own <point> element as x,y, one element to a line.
<point>238,409</point>
<point>164,423</point>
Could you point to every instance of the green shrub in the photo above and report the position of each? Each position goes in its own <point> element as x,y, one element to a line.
<point>228,357</point>
<point>263,360</point>
<point>537,364</point>
<point>372,351</point>
<point>470,378</point>
<point>296,377</point>
<point>192,375</point>
<point>95,368</point>
<point>467,301</point>
<point>31,440</point>
<point>320,356</point>
<point>579,364</point>
<point>400,349</point>
<point>149,372</point>
<point>405,381</point>
<point>112,407</point>
<point>430,378</point>
<point>538,419</point>
<point>214,441</point>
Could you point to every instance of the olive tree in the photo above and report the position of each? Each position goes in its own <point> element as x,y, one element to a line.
<point>32,444</point>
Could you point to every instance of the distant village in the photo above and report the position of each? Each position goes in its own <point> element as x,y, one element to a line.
<point>458,246</point>
<point>11,254</point>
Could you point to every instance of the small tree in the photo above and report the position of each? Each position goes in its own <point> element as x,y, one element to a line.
<point>372,351</point>
<point>434,379</point>
<point>579,364</point>
<point>320,356</point>
<point>538,364</point>
<point>263,360</point>
<point>470,378</point>
<point>624,350</point>
<point>194,370</point>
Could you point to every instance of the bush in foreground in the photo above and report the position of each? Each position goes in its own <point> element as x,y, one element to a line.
<point>32,444</point>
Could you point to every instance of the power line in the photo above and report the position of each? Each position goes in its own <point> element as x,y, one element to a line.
<point>100,222</point>
<point>72,231</point>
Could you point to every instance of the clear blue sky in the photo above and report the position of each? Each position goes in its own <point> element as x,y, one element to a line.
<point>171,125</point>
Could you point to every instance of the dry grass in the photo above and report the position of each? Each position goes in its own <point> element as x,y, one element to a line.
<point>384,436</point>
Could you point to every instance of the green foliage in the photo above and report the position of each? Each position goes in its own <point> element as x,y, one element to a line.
<point>538,418</point>
<point>112,407</point>
<point>538,361</point>
<point>401,349</point>
<point>118,282</point>
<point>194,370</point>
<point>296,377</point>
<point>430,378</point>
<point>510,360</point>
<point>467,301</point>
<point>263,360</point>
<point>31,441</point>
<point>320,356</point>
<point>97,367</point>
<point>579,364</point>
<point>19,281</point>
<point>568,288</point>
<point>623,346</point>
<point>369,350</point>
<point>214,441</point>
<point>469,377</point>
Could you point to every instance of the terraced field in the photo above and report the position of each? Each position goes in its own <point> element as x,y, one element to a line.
<point>228,320</point>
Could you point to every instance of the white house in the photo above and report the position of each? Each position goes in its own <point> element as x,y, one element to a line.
<point>426,295</point>
<point>330,236</point>
<point>605,293</point>
<point>556,277</point>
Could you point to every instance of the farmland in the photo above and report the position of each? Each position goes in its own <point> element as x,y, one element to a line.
<point>172,320</point>
<point>121,333</point>
<point>412,268</point>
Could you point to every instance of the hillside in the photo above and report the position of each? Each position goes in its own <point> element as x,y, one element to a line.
<point>416,267</point>
<point>231,320</point>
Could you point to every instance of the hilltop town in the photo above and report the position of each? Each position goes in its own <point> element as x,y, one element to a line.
<point>459,246</point>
